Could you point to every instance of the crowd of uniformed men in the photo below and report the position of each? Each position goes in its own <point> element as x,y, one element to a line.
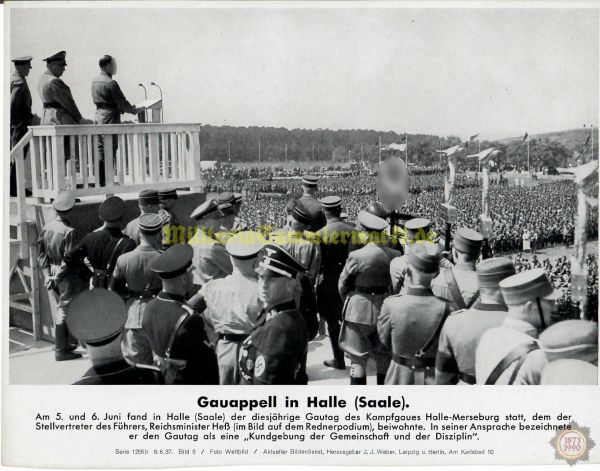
<point>217,303</point>
<point>221,304</point>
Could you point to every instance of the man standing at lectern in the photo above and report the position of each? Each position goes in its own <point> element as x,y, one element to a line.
<point>110,104</point>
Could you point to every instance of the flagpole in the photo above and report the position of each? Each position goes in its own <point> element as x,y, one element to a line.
<point>592,142</point>
<point>259,150</point>
<point>479,161</point>
<point>286,151</point>
<point>528,171</point>
<point>406,149</point>
<point>229,150</point>
<point>379,150</point>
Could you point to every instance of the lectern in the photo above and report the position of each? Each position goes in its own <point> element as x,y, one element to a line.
<point>152,111</point>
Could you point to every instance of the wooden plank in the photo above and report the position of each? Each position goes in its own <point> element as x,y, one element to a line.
<point>131,157</point>
<point>133,188</point>
<point>96,160</point>
<point>121,159</point>
<point>83,160</point>
<point>49,165</point>
<point>34,155</point>
<point>71,168</point>
<point>101,129</point>
<point>164,154</point>
<point>21,203</point>
<point>173,157</point>
<point>35,294</point>
<point>109,170</point>
<point>195,154</point>
<point>58,161</point>
<point>142,157</point>
<point>180,157</point>
<point>154,154</point>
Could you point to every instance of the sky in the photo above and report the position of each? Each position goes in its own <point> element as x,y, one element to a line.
<point>497,72</point>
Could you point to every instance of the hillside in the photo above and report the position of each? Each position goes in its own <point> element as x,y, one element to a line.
<point>572,139</point>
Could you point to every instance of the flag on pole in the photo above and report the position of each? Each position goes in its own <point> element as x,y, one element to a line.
<point>525,137</point>
<point>473,137</point>
<point>483,154</point>
<point>403,138</point>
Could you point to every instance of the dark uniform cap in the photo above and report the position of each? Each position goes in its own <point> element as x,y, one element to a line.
<point>174,261</point>
<point>205,209</point>
<point>310,180</point>
<point>493,270</point>
<point>425,257</point>
<point>150,223</point>
<point>376,208</point>
<point>226,197</point>
<point>279,262</point>
<point>238,197</point>
<point>416,225</point>
<point>148,197</point>
<point>569,371</point>
<point>526,286</point>
<point>22,60</point>
<point>96,316</point>
<point>467,241</point>
<point>245,244</point>
<point>331,202</point>
<point>111,209</point>
<point>371,222</point>
<point>58,57</point>
<point>167,195</point>
<point>64,201</point>
<point>572,338</point>
<point>301,214</point>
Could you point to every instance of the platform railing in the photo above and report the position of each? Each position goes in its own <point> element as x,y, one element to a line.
<point>136,157</point>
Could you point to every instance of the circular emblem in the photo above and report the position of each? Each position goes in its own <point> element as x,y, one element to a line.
<point>259,368</point>
<point>573,444</point>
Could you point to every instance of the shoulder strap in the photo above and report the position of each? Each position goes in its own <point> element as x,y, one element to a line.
<point>454,289</point>
<point>436,333</point>
<point>178,325</point>
<point>112,260</point>
<point>517,353</point>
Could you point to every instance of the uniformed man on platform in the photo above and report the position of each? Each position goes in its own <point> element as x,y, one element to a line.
<point>63,283</point>
<point>103,246</point>
<point>274,352</point>
<point>455,362</point>
<point>364,284</point>
<point>571,339</point>
<point>110,104</point>
<point>20,111</point>
<point>415,230</point>
<point>149,204</point>
<point>459,284</point>
<point>409,324</point>
<point>175,331</point>
<point>211,260</point>
<point>530,298</point>
<point>334,241</point>
<point>96,317</point>
<point>58,102</point>
<point>232,303</point>
<point>138,284</point>
<point>173,231</point>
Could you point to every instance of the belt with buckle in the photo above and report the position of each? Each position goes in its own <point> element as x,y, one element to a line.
<point>233,337</point>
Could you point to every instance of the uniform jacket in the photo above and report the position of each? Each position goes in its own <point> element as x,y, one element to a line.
<point>20,105</point>
<point>274,351</point>
<point>133,273</point>
<point>334,240</point>
<point>107,93</point>
<point>190,343</point>
<point>496,343</point>
<point>54,91</point>
<point>366,268</point>
<point>405,325</point>
<point>466,279</point>
<point>56,239</point>
<point>121,372</point>
<point>459,340</point>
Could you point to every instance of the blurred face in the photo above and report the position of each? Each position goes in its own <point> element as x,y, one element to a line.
<point>112,67</point>
<point>23,69</point>
<point>273,290</point>
<point>57,68</point>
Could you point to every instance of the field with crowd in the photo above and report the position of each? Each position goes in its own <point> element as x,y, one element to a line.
<point>544,212</point>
